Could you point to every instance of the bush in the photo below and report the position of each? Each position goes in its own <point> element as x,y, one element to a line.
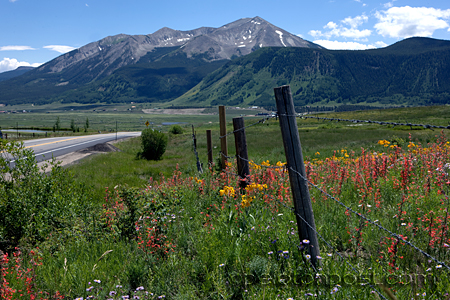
<point>176,129</point>
<point>34,204</point>
<point>153,144</point>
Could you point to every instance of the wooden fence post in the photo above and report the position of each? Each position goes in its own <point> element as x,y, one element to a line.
<point>199,165</point>
<point>294,158</point>
<point>194,137</point>
<point>209,146</point>
<point>241,151</point>
<point>223,133</point>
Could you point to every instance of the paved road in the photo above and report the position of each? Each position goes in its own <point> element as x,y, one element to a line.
<point>44,149</point>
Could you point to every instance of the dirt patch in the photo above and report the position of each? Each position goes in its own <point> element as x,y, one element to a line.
<point>184,111</point>
<point>103,147</point>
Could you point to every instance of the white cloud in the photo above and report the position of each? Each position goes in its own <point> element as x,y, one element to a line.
<point>336,45</point>
<point>15,48</point>
<point>348,29</point>
<point>354,33</point>
<point>8,64</point>
<point>12,1</point>
<point>315,33</point>
<point>356,21</point>
<point>60,48</point>
<point>331,25</point>
<point>381,44</point>
<point>406,21</point>
<point>389,4</point>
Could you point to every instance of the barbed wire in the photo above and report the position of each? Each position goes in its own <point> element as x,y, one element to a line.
<point>262,166</point>
<point>326,242</point>
<point>426,126</point>
<point>397,236</point>
<point>256,123</point>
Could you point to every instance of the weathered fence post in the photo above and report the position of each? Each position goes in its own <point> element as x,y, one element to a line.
<point>6,136</point>
<point>294,158</point>
<point>209,146</point>
<point>199,165</point>
<point>194,137</point>
<point>223,138</point>
<point>241,151</point>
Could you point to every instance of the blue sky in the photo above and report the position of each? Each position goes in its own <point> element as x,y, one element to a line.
<point>33,32</point>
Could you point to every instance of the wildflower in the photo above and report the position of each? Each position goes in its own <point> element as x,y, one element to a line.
<point>308,256</point>
<point>221,265</point>
<point>112,293</point>
<point>335,289</point>
<point>329,254</point>
<point>319,257</point>
<point>280,164</point>
<point>286,252</point>
<point>305,242</point>
<point>140,288</point>
<point>89,289</point>
<point>438,266</point>
<point>270,252</point>
<point>97,281</point>
<point>265,163</point>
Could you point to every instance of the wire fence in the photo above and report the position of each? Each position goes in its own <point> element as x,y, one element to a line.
<point>375,224</point>
<point>426,126</point>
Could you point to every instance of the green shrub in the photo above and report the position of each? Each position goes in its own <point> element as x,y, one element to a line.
<point>153,144</point>
<point>34,204</point>
<point>176,129</point>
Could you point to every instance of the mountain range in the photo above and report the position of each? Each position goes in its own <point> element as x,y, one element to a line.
<point>155,67</point>
<point>237,64</point>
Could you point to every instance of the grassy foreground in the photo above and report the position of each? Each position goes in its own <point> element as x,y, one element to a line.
<point>181,235</point>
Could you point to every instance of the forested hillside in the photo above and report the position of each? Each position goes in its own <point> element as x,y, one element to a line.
<point>415,71</point>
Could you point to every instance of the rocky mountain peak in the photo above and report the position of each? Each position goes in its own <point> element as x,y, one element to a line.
<point>241,37</point>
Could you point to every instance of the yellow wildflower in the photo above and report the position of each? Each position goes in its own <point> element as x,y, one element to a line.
<point>280,164</point>
<point>227,190</point>
<point>265,163</point>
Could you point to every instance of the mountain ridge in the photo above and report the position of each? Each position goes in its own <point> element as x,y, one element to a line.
<point>231,65</point>
<point>394,75</point>
<point>97,60</point>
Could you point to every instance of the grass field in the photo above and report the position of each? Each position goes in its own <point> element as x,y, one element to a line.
<point>115,225</point>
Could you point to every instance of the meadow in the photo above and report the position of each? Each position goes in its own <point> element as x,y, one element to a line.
<point>116,227</point>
